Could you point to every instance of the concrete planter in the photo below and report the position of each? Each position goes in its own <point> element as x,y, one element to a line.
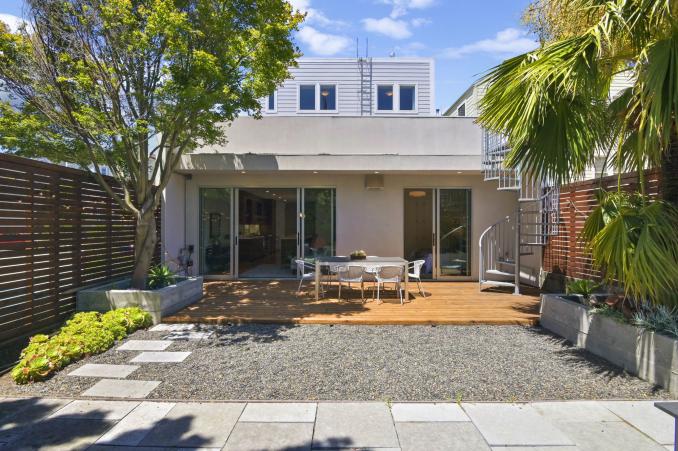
<point>648,355</point>
<point>158,303</point>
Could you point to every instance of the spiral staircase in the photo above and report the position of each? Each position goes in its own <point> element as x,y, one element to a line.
<point>523,232</point>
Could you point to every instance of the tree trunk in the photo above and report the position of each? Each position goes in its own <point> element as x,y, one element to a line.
<point>144,246</point>
<point>669,184</point>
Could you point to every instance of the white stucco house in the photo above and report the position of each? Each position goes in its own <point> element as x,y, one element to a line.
<point>349,155</point>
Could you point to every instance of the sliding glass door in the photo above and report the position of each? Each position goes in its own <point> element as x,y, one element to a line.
<point>318,222</point>
<point>215,231</point>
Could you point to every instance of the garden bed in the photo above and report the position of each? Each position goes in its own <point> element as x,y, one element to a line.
<point>647,354</point>
<point>158,303</point>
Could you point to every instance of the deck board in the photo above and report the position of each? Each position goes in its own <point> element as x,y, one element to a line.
<point>232,302</point>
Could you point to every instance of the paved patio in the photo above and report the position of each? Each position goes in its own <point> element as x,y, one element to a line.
<point>52,423</point>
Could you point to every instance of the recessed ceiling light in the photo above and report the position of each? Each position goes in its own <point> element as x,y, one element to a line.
<point>376,172</point>
<point>315,172</point>
<point>458,172</point>
<point>243,172</point>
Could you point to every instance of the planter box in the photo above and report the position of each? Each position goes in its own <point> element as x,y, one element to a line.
<point>648,355</point>
<point>158,303</point>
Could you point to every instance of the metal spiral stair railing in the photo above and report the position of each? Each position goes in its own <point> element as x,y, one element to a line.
<point>537,217</point>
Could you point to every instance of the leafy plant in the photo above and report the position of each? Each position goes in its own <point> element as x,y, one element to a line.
<point>661,319</point>
<point>610,312</point>
<point>160,276</point>
<point>84,334</point>
<point>583,287</point>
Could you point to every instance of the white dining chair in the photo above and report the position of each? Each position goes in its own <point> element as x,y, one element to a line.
<point>351,274</point>
<point>414,272</point>
<point>390,274</point>
<point>302,267</point>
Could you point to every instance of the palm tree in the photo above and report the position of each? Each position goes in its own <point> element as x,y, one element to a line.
<point>553,105</point>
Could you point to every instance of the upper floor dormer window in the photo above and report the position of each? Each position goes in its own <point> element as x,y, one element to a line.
<point>461,111</point>
<point>385,97</point>
<point>318,97</point>
<point>271,101</point>
<point>407,98</point>
<point>397,97</point>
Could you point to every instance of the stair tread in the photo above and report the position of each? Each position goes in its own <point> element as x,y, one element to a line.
<point>496,272</point>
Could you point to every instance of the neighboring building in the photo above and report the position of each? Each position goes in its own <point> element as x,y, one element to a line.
<point>349,155</point>
<point>467,105</point>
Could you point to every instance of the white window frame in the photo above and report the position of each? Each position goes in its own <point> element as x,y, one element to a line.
<point>275,102</point>
<point>396,98</point>
<point>317,109</point>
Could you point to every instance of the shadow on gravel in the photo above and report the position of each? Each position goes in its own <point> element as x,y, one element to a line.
<point>28,424</point>
<point>250,333</point>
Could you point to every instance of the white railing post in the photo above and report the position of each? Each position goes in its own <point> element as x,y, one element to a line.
<point>516,256</point>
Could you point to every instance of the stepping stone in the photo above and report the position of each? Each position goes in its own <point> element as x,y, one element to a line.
<point>354,425</point>
<point>100,370</point>
<point>260,436</point>
<point>95,410</point>
<point>188,335</point>
<point>172,327</point>
<point>265,412</point>
<point>160,357</point>
<point>645,417</point>
<point>427,412</point>
<point>116,388</point>
<point>144,345</point>
<point>441,436</point>
<point>514,425</point>
<point>137,424</point>
<point>195,425</point>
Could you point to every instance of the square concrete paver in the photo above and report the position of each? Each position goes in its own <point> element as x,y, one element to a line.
<point>162,327</point>
<point>61,434</point>
<point>270,436</point>
<point>644,416</point>
<point>186,335</point>
<point>161,357</point>
<point>17,414</point>
<point>428,412</point>
<point>286,412</point>
<point>534,448</point>
<point>354,425</point>
<point>440,436</point>
<point>132,429</point>
<point>116,388</point>
<point>144,345</point>
<point>608,436</point>
<point>101,370</point>
<point>95,410</point>
<point>195,425</point>
<point>574,411</point>
<point>514,425</point>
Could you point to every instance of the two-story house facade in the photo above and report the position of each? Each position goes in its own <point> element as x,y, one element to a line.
<point>349,155</point>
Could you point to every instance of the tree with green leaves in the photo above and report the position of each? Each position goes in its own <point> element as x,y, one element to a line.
<point>135,84</point>
<point>554,106</point>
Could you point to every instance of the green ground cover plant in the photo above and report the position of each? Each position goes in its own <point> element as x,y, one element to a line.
<point>85,334</point>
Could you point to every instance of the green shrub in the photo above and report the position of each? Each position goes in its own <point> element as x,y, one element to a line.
<point>84,334</point>
<point>583,287</point>
<point>160,276</point>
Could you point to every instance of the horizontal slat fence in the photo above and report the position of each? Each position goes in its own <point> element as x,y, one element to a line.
<point>565,254</point>
<point>59,232</point>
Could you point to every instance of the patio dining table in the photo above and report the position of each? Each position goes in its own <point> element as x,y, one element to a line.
<point>369,262</point>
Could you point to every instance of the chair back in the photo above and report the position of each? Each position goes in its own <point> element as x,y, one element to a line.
<point>416,267</point>
<point>390,272</point>
<point>350,271</point>
<point>301,266</point>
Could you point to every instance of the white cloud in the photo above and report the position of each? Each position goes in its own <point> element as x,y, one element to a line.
<point>315,16</point>
<point>401,7</point>
<point>510,41</point>
<point>411,49</point>
<point>324,44</point>
<point>396,29</point>
<point>12,21</point>
<point>420,22</point>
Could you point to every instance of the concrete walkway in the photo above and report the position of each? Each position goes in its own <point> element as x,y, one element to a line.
<point>98,424</point>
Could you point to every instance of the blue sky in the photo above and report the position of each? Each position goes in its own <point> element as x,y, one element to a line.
<point>465,37</point>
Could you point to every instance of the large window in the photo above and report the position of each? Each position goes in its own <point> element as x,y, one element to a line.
<point>307,97</point>
<point>215,231</point>
<point>319,222</point>
<point>328,97</point>
<point>407,97</point>
<point>271,102</point>
<point>385,97</point>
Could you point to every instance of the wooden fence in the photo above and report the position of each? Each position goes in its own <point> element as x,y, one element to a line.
<point>59,232</point>
<point>564,254</point>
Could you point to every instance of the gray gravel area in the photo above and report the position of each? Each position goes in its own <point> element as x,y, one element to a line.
<point>399,363</point>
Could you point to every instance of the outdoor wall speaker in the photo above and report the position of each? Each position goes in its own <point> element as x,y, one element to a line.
<point>374,182</point>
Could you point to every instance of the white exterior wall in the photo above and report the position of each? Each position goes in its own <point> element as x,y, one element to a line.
<point>345,73</point>
<point>369,220</point>
<point>172,217</point>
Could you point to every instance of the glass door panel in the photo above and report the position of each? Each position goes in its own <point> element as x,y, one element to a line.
<point>318,222</point>
<point>418,230</point>
<point>267,232</point>
<point>215,231</point>
<point>454,232</point>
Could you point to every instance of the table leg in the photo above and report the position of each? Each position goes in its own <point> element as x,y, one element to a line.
<point>317,280</point>
<point>406,294</point>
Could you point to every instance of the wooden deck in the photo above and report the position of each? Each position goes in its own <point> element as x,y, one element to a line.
<point>277,302</point>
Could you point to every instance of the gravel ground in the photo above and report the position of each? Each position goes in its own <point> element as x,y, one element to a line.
<point>473,363</point>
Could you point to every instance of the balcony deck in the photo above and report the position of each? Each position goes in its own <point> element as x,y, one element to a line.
<point>276,301</point>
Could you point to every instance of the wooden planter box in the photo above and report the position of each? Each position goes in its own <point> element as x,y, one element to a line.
<point>158,303</point>
<point>648,355</point>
